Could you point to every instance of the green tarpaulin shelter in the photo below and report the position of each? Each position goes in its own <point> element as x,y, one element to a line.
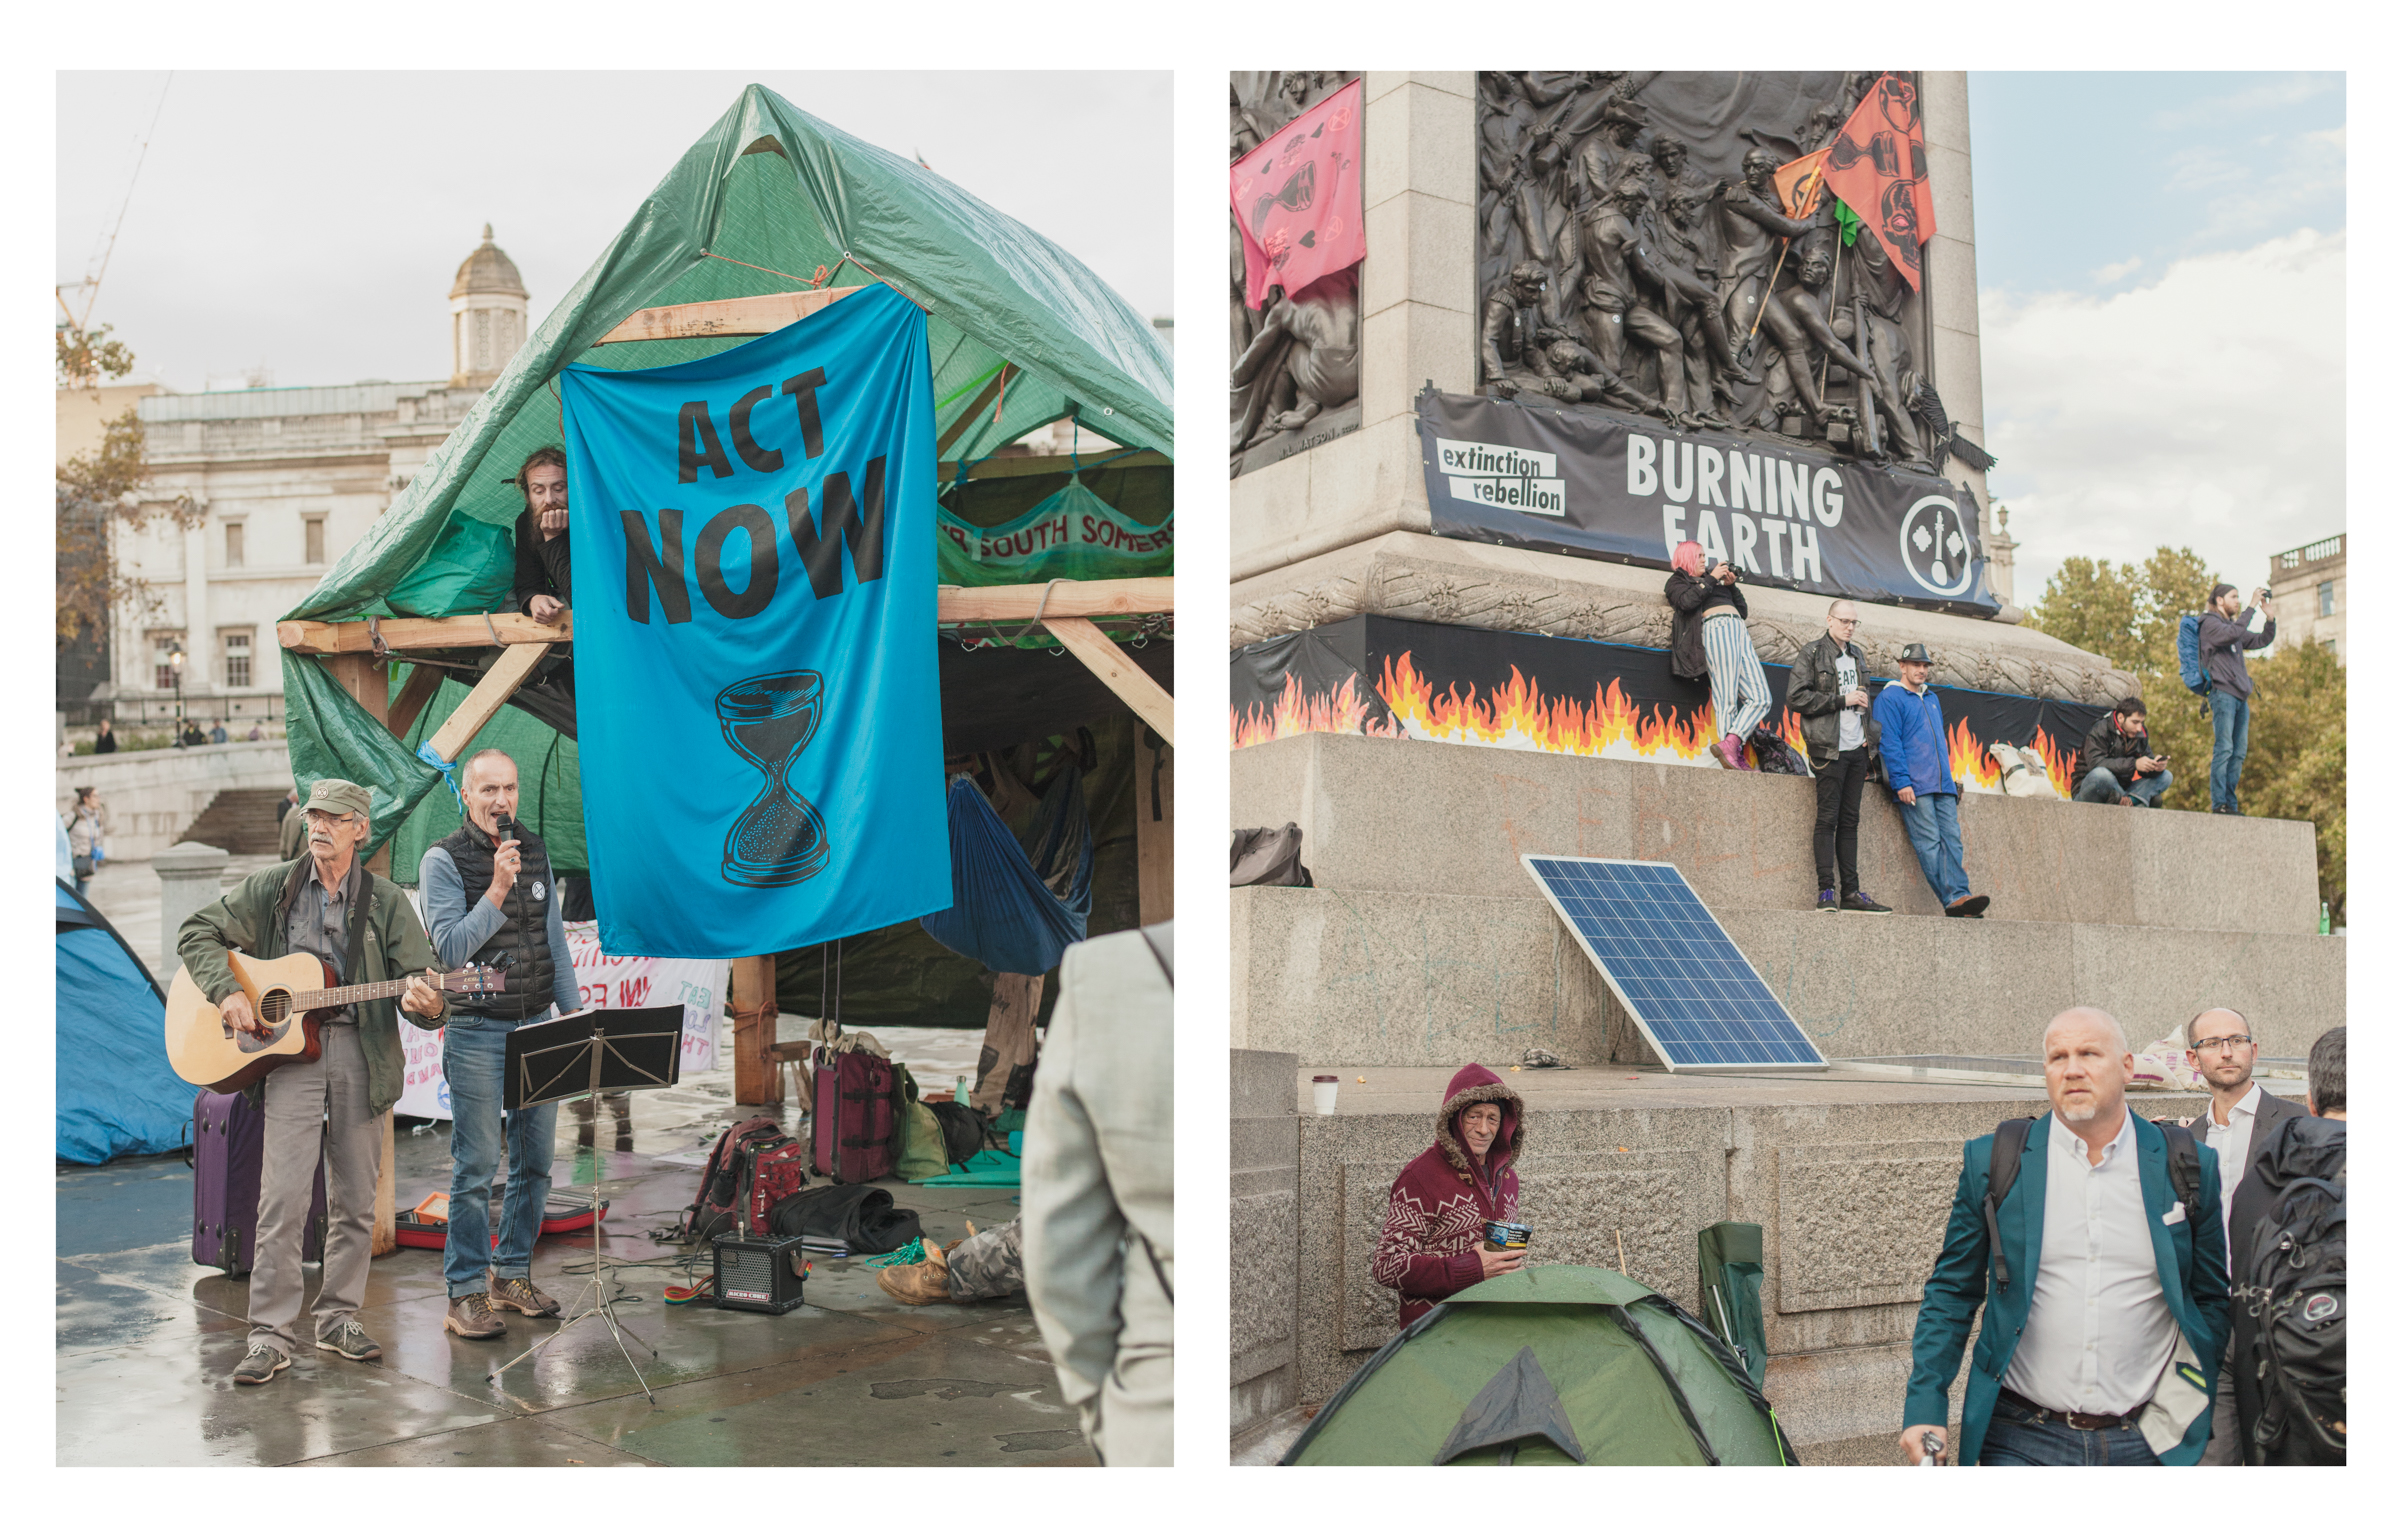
<point>769,200</point>
<point>1560,1364</point>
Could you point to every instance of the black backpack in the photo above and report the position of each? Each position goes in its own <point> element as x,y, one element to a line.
<point>2297,1291</point>
<point>2008,1150</point>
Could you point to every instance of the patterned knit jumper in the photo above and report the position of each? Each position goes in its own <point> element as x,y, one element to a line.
<point>1439,1204</point>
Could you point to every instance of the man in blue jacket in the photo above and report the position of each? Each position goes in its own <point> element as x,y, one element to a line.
<point>1916,759</point>
<point>2101,1340</point>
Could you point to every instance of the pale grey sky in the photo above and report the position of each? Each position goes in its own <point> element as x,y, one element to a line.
<point>311,222</point>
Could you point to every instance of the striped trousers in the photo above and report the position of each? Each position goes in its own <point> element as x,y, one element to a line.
<point>1736,681</point>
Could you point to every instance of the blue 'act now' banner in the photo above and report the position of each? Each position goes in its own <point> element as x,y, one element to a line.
<point>756,686</point>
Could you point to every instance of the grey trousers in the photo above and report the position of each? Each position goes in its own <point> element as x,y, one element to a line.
<point>326,1098</point>
<point>2224,1425</point>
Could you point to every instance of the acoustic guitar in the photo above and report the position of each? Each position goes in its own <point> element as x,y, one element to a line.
<point>292,996</point>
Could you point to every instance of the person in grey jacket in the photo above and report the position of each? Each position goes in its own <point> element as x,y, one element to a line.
<point>2226,631</point>
<point>1099,1194</point>
<point>1828,689</point>
<point>489,891</point>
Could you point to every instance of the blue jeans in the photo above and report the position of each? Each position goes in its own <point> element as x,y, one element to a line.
<point>2231,712</point>
<point>1932,825</point>
<point>2016,1439</point>
<point>2101,785</point>
<point>474,1059</point>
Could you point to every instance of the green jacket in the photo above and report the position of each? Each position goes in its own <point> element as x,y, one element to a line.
<point>2191,1271</point>
<point>250,918</point>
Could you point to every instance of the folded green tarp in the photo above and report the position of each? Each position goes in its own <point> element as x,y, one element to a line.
<point>990,1167</point>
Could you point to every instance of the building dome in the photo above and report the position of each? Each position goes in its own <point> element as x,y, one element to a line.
<point>487,270</point>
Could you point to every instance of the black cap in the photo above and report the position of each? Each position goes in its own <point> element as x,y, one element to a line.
<point>1915,651</point>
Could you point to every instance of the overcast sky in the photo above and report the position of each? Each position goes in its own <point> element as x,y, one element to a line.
<point>312,222</point>
<point>2161,261</point>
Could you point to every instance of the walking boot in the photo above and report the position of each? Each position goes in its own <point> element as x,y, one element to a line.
<point>919,1284</point>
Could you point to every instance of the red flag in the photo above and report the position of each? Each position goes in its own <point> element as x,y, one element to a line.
<point>1297,199</point>
<point>1800,184</point>
<point>1877,166</point>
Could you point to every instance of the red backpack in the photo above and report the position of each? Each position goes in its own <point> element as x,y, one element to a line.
<point>753,1166</point>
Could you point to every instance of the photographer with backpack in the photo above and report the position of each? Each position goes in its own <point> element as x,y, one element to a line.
<point>2225,632</point>
<point>2291,1296</point>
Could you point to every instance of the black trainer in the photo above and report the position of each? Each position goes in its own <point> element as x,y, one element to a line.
<point>1860,902</point>
<point>1829,901</point>
<point>1968,907</point>
<point>263,1362</point>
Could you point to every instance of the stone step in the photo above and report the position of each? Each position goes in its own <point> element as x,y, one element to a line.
<point>240,822</point>
<point>1400,977</point>
<point>1389,815</point>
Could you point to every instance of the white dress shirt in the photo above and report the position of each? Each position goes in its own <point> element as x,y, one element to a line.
<point>2232,1142</point>
<point>2099,1334</point>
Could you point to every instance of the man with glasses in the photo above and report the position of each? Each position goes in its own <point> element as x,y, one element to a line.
<point>1829,691</point>
<point>2241,1119</point>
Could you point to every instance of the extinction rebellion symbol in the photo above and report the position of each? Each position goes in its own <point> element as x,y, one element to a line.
<point>1933,541</point>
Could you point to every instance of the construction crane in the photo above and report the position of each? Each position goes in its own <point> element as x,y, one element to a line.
<point>89,288</point>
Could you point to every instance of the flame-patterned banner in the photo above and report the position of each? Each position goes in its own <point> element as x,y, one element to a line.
<point>1372,676</point>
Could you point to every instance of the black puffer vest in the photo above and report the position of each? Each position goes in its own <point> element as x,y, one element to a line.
<point>525,932</point>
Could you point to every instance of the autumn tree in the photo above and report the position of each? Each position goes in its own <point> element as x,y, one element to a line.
<point>2129,613</point>
<point>99,493</point>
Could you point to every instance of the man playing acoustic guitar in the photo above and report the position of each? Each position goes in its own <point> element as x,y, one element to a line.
<point>363,928</point>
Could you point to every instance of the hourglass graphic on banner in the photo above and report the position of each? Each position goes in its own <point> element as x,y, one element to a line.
<point>779,839</point>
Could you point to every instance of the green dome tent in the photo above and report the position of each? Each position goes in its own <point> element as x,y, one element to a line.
<point>768,201</point>
<point>1551,1364</point>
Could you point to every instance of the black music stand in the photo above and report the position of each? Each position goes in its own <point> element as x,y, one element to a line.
<point>594,1052</point>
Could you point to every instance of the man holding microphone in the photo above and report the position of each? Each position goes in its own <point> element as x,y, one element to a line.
<point>488,892</point>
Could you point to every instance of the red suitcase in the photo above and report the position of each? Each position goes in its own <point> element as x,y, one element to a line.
<point>854,1129</point>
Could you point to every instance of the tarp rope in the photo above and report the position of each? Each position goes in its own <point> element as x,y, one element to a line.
<point>426,754</point>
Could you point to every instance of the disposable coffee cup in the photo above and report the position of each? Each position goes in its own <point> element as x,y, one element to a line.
<point>1324,1086</point>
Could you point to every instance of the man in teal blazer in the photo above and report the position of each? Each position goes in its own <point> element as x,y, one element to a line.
<point>2103,1345</point>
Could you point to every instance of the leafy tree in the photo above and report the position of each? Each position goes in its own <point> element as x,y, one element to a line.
<point>100,492</point>
<point>2129,614</point>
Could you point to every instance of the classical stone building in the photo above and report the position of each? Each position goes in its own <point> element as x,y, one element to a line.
<point>2312,595</point>
<point>288,479</point>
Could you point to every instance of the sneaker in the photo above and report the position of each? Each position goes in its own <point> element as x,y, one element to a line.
<point>1860,902</point>
<point>263,1362</point>
<point>351,1342</point>
<point>2124,800</point>
<point>1829,901</point>
<point>918,1285</point>
<point>471,1317</point>
<point>1728,751</point>
<point>519,1292</point>
<point>1968,907</point>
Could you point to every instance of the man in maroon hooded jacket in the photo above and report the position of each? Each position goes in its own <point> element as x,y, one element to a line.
<point>1432,1244</point>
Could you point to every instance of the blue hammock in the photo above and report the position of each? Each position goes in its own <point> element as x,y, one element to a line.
<point>1012,913</point>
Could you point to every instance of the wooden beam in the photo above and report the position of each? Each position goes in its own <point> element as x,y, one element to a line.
<point>1154,829</point>
<point>507,674</point>
<point>754,316</point>
<point>966,418</point>
<point>1003,465</point>
<point>423,683</point>
<point>316,637</point>
<point>385,1237</point>
<point>1067,600</point>
<point>1114,668</point>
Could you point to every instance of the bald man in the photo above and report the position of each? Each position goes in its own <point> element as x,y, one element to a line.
<point>2092,1351</point>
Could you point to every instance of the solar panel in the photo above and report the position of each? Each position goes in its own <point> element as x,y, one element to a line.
<point>1698,1001</point>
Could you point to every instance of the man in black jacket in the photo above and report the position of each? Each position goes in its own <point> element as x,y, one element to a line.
<point>2240,1121</point>
<point>2313,1146</point>
<point>2226,631</point>
<point>1828,689</point>
<point>2116,766</point>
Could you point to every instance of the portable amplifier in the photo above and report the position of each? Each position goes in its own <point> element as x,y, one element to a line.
<point>760,1274</point>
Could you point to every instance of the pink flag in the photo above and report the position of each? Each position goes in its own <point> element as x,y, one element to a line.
<point>1297,201</point>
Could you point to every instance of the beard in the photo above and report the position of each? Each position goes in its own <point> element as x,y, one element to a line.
<point>2077,1118</point>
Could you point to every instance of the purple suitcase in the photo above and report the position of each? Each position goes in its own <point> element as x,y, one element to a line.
<point>228,1144</point>
<point>853,1130</point>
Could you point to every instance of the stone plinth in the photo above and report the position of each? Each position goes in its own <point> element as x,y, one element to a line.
<point>188,879</point>
<point>1265,1233</point>
<point>1379,814</point>
<point>1849,1180</point>
<point>1420,978</point>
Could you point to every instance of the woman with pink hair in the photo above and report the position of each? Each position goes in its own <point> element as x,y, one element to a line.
<point>1711,639</point>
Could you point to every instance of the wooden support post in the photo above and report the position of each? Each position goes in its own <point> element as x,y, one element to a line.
<point>423,683</point>
<point>1114,668</point>
<point>753,316</point>
<point>757,1075</point>
<point>1154,827</point>
<point>515,665</point>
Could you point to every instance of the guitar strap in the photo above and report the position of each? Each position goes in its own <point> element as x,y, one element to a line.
<point>354,947</point>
